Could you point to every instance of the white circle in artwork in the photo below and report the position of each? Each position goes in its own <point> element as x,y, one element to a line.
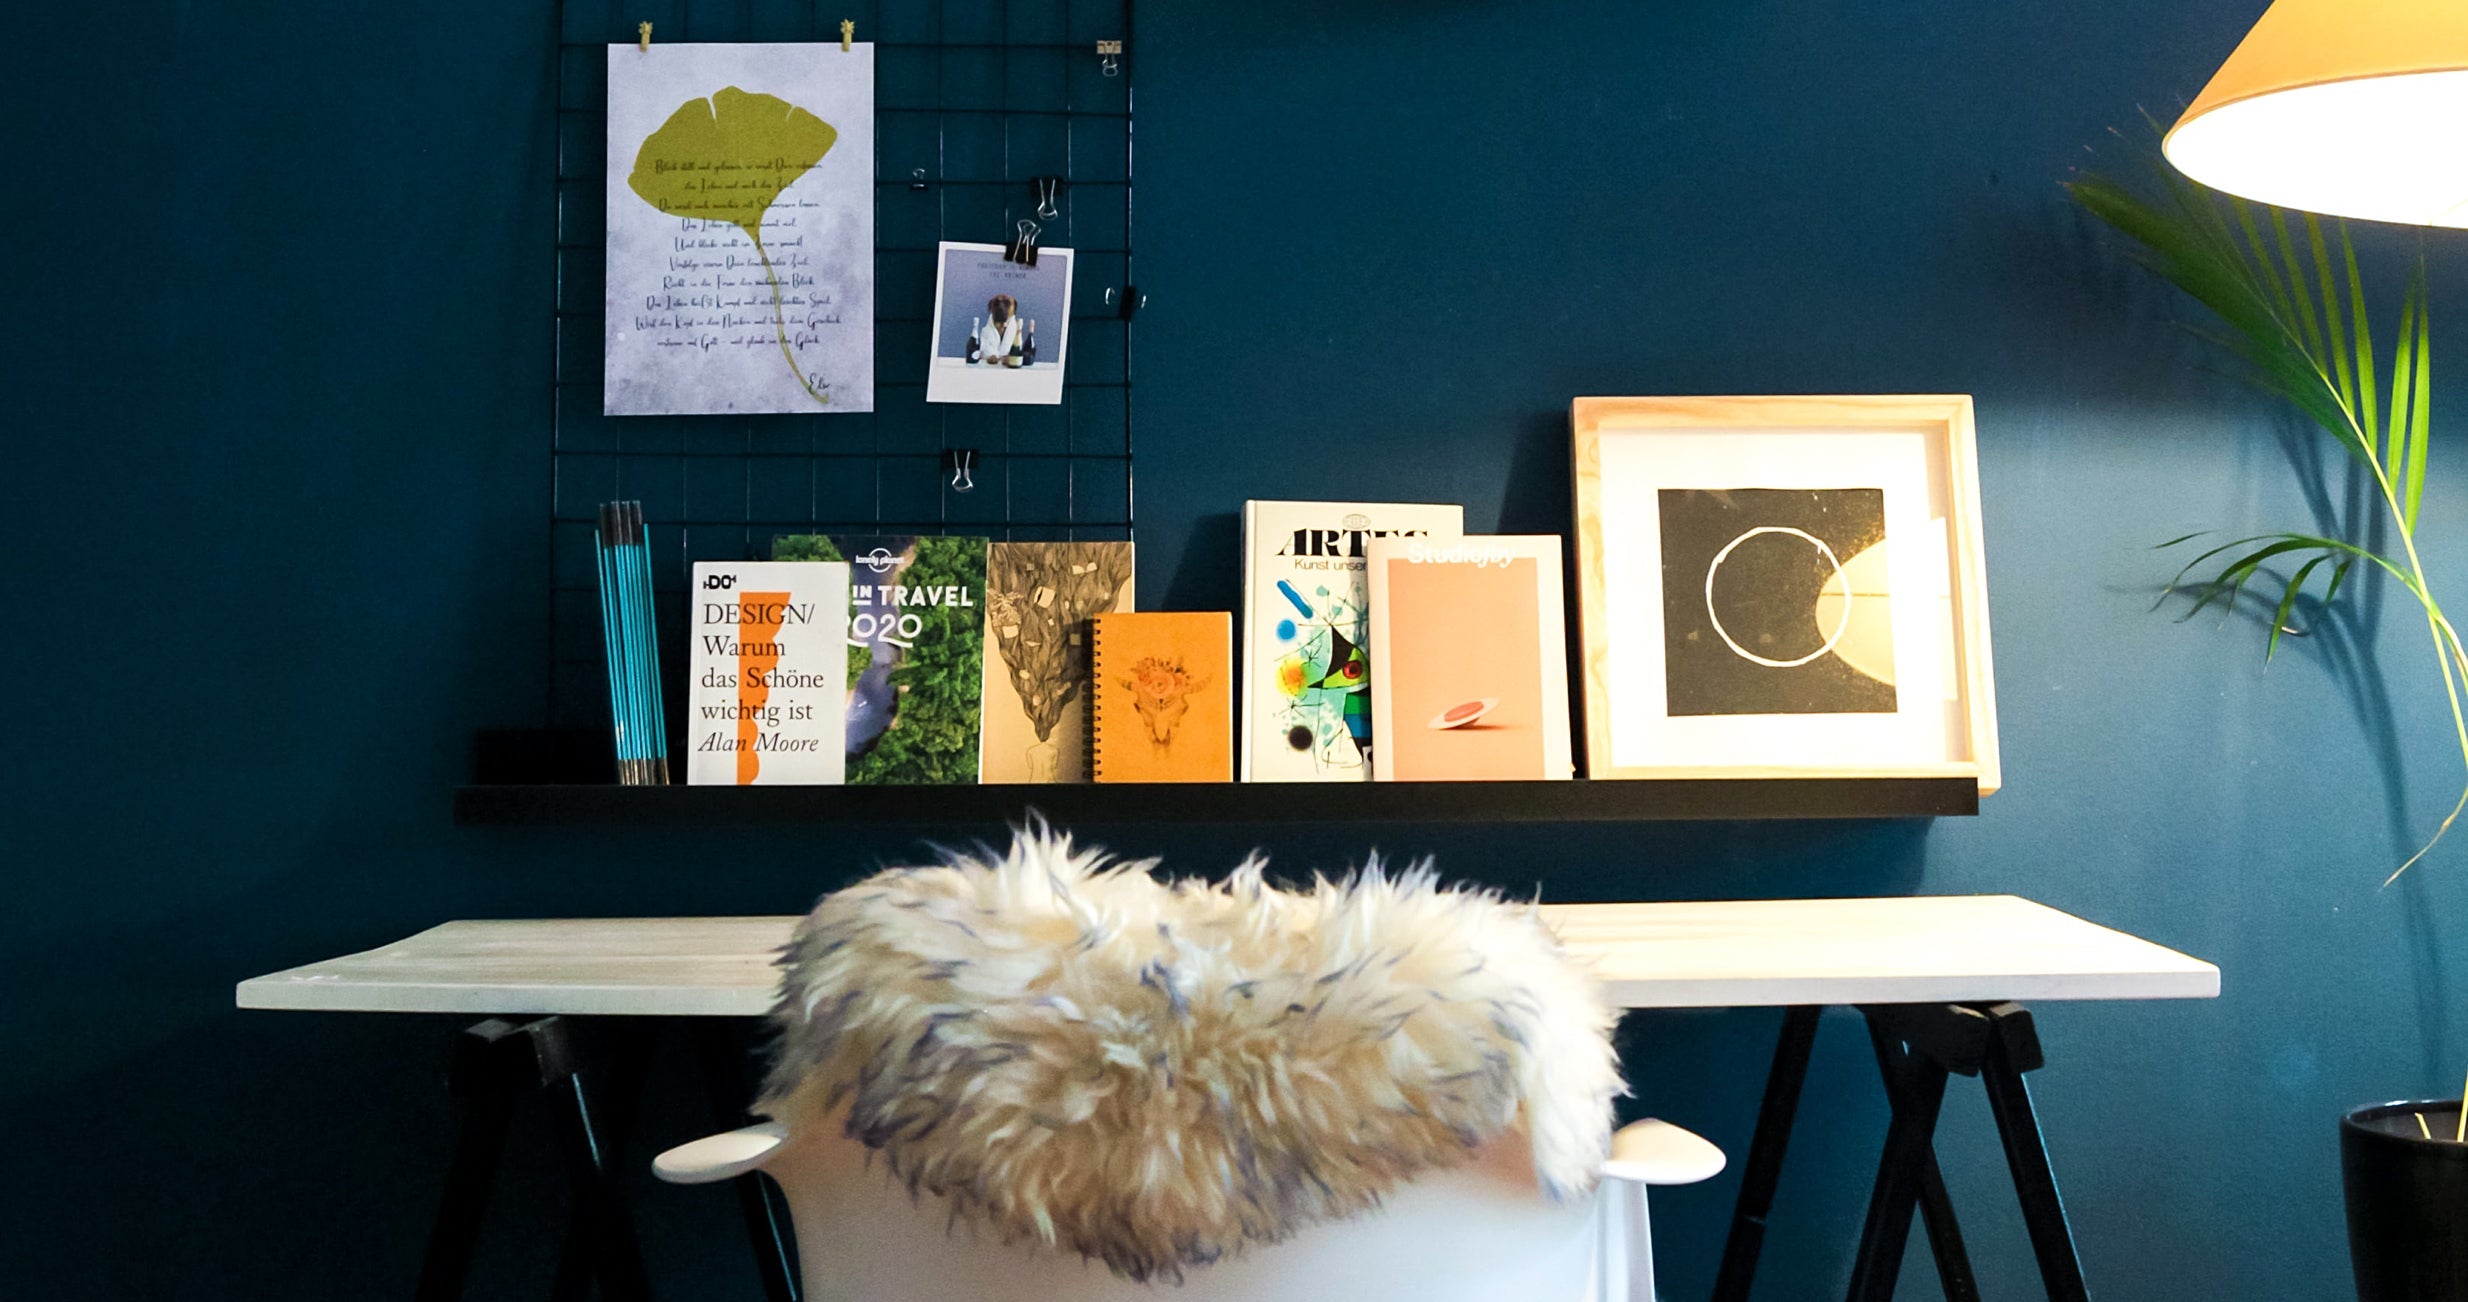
<point>1841,625</point>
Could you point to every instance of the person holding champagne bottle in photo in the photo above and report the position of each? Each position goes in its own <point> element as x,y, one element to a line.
<point>999,338</point>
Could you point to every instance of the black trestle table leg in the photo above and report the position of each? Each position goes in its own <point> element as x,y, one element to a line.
<point>1763,1172</point>
<point>2012,1050</point>
<point>490,1069</point>
<point>1894,1064</point>
<point>617,1053</point>
<point>1918,1046</point>
<point>1900,1174</point>
<point>586,1130</point>
<point>726,1084</point>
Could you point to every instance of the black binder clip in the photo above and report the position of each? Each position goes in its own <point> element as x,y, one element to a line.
<point>1045,188</point>
<point>1023,250</point>
<point>961,465</point>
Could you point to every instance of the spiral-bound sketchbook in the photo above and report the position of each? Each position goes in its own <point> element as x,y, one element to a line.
<point>1163,697</point>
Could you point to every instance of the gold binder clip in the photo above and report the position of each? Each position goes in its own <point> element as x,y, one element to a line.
<point>1110,57</point>
<point>848,33</point>
<point>642,33</point>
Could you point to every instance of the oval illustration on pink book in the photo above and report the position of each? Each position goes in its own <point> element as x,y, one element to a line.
<point>1457,716</point>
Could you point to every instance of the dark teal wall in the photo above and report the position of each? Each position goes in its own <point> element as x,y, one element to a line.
<point>277,362</point>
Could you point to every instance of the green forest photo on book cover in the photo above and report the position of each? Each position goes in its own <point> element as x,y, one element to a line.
<point>916,653</point>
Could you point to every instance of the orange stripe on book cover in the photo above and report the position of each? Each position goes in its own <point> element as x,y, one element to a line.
<point>758,654</point>
<point>1162,705</point>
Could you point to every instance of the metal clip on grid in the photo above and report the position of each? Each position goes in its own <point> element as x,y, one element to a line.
<point>961,463</point>
<point>1023,249</point>
<point>731,528</point>
<point>1045,188</point>
<point>1125,301</point>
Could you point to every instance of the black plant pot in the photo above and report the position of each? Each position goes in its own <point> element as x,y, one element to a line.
<point>2407,1202</point>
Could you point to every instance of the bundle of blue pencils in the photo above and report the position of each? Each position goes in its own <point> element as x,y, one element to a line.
<point>628,629</point>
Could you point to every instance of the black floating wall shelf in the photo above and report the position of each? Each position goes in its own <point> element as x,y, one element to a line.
<point>565,777</point>
<point>1229,802</point>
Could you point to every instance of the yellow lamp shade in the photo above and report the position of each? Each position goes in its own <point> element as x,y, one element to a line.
<point>2353,108</point>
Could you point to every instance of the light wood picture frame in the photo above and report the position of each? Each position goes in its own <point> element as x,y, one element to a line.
<point>1840,535</point>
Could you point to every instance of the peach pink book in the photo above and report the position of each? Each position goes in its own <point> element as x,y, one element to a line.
<point>1469,662</point>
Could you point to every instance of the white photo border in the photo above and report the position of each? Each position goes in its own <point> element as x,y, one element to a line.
<point>950,380</point>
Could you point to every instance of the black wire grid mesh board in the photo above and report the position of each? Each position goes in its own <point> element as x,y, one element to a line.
<point>973,99</point>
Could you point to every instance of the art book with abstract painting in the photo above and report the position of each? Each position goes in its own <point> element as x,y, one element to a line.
<point>1306,680</point>
<point>1469,663</point>
<point>770,673</point>
<point>1038,601</point>
<point>916,653</point>
<point>1162,706</point>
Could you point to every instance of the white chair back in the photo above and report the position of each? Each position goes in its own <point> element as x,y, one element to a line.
<point>1480,1233</point>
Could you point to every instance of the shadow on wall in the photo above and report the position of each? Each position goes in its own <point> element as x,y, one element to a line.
<point>2347,638</point>
<point>1203,580</point>
<point>2154,337</point>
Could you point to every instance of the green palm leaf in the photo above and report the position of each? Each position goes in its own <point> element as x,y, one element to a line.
<point>2307,339</point>
<point>2420,409</point>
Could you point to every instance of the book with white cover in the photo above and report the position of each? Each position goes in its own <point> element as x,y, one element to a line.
<point>770,685</point>
<point>1306,704</point>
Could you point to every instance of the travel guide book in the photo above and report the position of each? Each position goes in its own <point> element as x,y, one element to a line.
<point>1306,679</point>
<point>1038,601</point>
<point>916,653</point>
<point>770,673</point>
<point>1469,664</point>
<point>1160,706</point>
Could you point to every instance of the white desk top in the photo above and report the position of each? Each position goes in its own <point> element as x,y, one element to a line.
<point>1759,953</point>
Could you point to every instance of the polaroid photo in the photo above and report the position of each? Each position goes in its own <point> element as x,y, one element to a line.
<point>1000,329</point>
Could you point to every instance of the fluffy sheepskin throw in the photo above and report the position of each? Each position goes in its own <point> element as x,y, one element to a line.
<point>1156,1074</point>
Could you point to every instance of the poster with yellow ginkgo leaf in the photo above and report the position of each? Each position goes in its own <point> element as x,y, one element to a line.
<point>740,273</point>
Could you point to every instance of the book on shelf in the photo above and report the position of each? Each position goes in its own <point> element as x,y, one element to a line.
<point>1039,598</point>
<point>1160,706</point>
<point>770,673</point>
<point>1469,658</point>
<point>1306,677</point>
<point>916,653</point>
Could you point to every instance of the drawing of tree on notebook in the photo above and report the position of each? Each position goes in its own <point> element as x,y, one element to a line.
<point>726,159</point>
<point>1039,597</point>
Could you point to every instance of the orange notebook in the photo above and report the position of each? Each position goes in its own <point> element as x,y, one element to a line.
<point>1162,709</point>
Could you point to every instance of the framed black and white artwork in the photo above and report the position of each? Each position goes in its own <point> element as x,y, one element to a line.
<point>1783,587</point>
